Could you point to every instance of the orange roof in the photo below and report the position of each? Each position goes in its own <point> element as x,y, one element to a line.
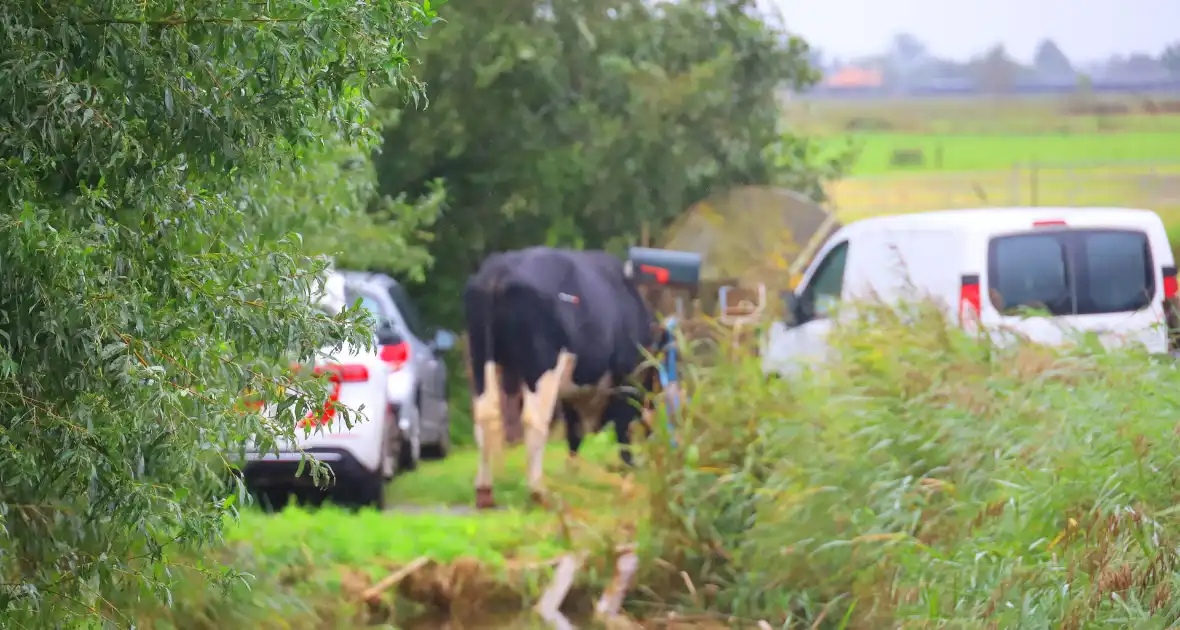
<point>854,77</point>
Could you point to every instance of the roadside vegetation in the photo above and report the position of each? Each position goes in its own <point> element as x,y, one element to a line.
<point>927,477</point>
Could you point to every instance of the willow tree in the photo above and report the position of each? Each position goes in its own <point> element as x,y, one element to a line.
<point>142,283</point>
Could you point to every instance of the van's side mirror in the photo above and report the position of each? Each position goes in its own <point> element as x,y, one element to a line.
<point>443,340</point>
<point>387,334</point>
<point>790,308</point>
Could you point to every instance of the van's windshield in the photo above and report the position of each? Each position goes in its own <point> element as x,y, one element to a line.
<point>1071,271</point>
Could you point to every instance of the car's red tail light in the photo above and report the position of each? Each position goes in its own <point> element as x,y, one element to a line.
<point>1170,283</point>
<point>338,374</point>
<point>345,373</point>
<point>970,300</point>
<point>1049,223</point>
<point>395,355</point>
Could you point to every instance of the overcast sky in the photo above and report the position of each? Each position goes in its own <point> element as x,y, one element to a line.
<point>1086,30</point>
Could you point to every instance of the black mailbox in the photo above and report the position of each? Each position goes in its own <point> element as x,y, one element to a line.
<point>648,265</point>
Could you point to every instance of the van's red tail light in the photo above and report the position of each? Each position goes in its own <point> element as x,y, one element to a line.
<point>970,300</point>
<point>1049,223</point>
<point>1171,316</point>
<point>395,355</point>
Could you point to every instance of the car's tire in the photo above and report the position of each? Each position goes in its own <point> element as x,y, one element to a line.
<point>368,490</point>
<point>310,498</point>
<point>439,450</point>
<point>362,489</point>
<point>393,446</point>
<point>273,499</point>
<point>407,458</point>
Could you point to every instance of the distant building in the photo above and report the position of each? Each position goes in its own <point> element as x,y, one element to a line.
<point>854,77</point>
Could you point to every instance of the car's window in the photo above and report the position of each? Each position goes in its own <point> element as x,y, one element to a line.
<point>408,310</point>
<point>823,292</point>
<point>368,303</point>
<point>1117,270</point>
<point>374,308</point>
<point>1072,272</point>
<point>1030,271</point>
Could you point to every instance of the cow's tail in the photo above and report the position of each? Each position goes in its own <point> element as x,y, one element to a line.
<point>488,391</point>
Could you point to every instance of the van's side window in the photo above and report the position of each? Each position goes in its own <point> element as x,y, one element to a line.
<point>823,292</point>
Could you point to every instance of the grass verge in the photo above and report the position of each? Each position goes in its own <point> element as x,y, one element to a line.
<point>309,569</point>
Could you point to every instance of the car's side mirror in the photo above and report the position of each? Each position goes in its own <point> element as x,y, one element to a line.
<point>790,308</point>
<point>443,341</point>
<point>387,334</point>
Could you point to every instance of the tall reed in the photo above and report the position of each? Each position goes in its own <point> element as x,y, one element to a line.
<point>924,477</point>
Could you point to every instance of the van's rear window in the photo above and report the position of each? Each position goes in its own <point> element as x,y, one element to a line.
<point>1071,272</point>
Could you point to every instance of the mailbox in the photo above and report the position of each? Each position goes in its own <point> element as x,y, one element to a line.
<point>648,265</point>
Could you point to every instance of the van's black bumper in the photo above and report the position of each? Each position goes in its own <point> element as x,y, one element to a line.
<point>264,471</point>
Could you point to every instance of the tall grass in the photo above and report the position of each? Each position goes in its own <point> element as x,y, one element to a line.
<point>925,478</point>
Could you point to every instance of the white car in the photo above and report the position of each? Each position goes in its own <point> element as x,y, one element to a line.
<point>1107,271</point>
<point>361,458</point>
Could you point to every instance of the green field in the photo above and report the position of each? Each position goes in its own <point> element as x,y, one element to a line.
<point>933,154</point>
<point>950,152</point>
<point>966,115</point>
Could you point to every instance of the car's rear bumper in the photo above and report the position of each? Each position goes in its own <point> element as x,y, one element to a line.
<point>279,469</point>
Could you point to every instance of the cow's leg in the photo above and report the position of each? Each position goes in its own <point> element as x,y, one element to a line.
<point>622,413</point>
<point>513,431</point>
<point>488,424</point>
<point>587,405</point>
<point>573,427</point>
<point>537,415</point>
<point>575,432</point>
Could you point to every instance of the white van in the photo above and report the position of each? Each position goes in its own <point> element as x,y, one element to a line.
<point>1104,270</point>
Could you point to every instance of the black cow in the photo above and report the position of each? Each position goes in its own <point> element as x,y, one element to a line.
<point>566,326</point>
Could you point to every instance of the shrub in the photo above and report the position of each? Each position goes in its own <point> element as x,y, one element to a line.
<point>927,477</point>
